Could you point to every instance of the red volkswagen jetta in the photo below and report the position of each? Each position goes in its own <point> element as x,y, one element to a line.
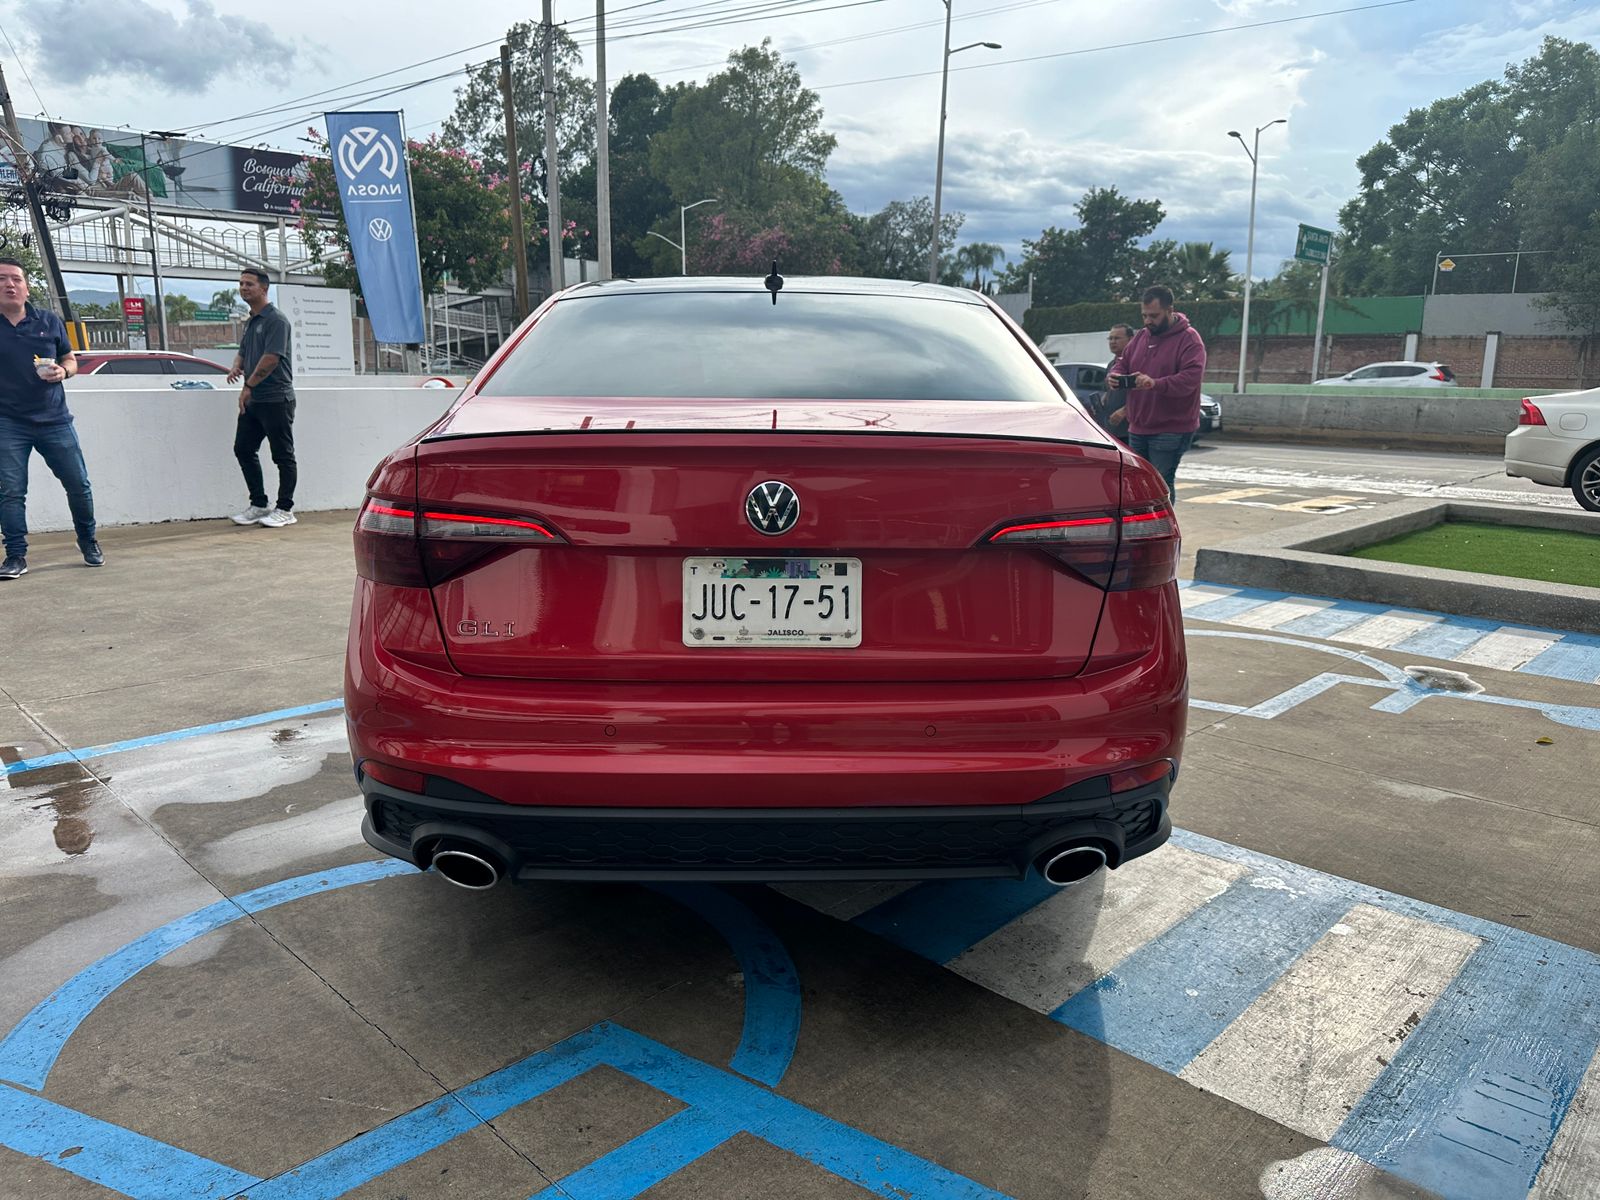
<point>702,582</point>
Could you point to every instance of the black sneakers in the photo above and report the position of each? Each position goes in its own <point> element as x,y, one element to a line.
<point>13,568</point>
<point>92,557</point>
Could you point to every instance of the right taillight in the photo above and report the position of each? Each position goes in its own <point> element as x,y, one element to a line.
<point>1138,548</point>
<point>1530,414</point>
<point>409,546</point>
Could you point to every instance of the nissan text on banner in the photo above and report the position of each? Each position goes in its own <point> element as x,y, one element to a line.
<point>369,166</point>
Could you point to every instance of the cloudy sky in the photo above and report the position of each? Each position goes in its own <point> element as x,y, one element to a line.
<point>1083,93</point>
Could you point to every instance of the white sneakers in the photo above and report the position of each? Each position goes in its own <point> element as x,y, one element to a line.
<point>272,518</point>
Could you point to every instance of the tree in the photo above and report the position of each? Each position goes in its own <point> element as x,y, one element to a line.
<point>478,123</point>
<point>227,299</point>
<point>979,257</point>
<point>640,108</point>
<point>895,242</point>
<point>751,136</point>
<point>1202,272</point>
<point>1471,174</point>
<point>462,224</point>
<point>1100,260</point>
<point>180,307</point>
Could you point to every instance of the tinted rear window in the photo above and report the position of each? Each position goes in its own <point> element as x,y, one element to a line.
<point>739,345</point>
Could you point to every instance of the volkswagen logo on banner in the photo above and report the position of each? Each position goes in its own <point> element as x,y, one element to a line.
<point>363,144</point>
<point>772,507</point>
<point>369,167</point>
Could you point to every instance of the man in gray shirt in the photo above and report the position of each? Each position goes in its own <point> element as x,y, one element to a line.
<point>266,404</point>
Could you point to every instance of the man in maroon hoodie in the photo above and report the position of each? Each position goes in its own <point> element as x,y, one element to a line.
<point>1167,360</point>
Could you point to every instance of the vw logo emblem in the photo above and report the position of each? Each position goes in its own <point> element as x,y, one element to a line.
<point>380,229</point>
<point>363,144</point>
<point>772,507</point>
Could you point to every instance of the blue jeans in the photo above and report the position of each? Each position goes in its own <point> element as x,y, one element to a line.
<point>1162,451</point>
<point>58,446</point>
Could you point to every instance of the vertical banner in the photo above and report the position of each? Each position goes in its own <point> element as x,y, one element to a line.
<point>369,167</point>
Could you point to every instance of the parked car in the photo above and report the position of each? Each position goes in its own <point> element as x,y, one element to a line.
<point>1557,443</point>
<point>1397,374</point>
<point>832,586</point>
<point>145,362</point>
<point>1087,380</point>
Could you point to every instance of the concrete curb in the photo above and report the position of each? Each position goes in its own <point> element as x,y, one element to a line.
<point>1310,561</point>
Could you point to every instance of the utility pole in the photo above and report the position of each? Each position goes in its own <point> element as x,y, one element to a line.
<point>1250,244</point>
<point>938,174</point>
<point>602,142</point>
<point>519,243</point>
<point>155,251</point>
<point>41,230</point>
<point>552,167</point>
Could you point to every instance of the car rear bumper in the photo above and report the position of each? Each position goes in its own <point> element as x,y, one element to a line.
<point>1532,453</point>
<point>926,842</point>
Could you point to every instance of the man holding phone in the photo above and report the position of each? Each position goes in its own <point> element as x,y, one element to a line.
<point>1159,373</point>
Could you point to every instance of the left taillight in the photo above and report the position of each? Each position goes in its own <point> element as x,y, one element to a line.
<point>421,546</point>
<point>1136,548</point>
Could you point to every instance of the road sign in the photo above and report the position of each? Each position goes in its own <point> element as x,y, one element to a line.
<point>1313,245</point>
<point>133,308</point>
<point>1447,264</point>
<point>212,314</point>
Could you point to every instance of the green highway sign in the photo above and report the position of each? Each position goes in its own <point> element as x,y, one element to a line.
<point>1313,245</point>
<point>212,314</point>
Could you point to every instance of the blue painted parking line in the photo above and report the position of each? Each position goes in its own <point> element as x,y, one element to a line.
<point>1471,1101</point>
<point>1171,998</point>
<point>1552,653</point>
<point>720,1104</point>
<point>158,739</point>
<point>939,920</point>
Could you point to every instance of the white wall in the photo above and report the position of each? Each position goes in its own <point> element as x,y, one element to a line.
<point>156,454</point>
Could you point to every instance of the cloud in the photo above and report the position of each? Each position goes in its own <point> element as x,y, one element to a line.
<point>80,40</point>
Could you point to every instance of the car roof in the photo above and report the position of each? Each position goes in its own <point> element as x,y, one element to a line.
<point>841,285</point>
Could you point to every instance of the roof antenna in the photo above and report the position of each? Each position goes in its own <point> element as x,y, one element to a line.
<point>774,282</point>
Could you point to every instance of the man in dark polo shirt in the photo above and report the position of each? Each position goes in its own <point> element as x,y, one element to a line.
<point>35,357</point>
<point>266,404</point>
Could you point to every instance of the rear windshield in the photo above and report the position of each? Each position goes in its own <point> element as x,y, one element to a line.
<point>739,345</point>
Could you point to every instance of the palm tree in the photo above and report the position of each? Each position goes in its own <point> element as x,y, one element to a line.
<point>979,257</point>
<point>225,299</point>
<point>1204,272</point>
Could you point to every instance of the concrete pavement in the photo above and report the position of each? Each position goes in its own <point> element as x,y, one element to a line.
<point>1231,1017</point>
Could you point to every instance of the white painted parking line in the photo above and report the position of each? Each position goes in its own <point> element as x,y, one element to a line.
<point>1572,1168</point>
<point>1386,630</point>
<point>1334,1019</point>
<point>1507,649</point>
<point>1229,497</point>
<point>1081,933</point>
<point>1279,612</point>
<point>1202,593</point>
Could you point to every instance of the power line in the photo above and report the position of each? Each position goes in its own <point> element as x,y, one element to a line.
<point>44,108</point>
<point>1174,37</point>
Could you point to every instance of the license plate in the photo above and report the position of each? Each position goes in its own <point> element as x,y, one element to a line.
<point>772,602</point>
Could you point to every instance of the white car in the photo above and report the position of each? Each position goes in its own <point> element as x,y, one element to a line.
<point>1557,443</point>
<point>1396,374</point>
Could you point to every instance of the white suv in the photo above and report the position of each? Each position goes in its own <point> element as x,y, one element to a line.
<point>1557,443</point>
<point>1397,374</point>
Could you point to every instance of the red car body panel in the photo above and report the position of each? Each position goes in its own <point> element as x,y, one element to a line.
<point>552,676</point>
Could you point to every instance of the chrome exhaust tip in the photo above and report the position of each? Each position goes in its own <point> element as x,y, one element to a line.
<point>1063,866</point>
<point>466,869</point>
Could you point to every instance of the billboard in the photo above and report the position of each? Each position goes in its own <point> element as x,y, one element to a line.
<point>81,161</point>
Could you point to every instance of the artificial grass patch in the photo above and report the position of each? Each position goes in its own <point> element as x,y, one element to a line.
<point>1520,551</point>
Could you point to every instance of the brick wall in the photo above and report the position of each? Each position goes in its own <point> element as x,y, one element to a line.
<point>1522,361</point>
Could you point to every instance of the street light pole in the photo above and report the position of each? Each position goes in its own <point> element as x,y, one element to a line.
<point>682,245</point>
<point>938,170</point>
<point>1250,243</point>
<point>150,218</point>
